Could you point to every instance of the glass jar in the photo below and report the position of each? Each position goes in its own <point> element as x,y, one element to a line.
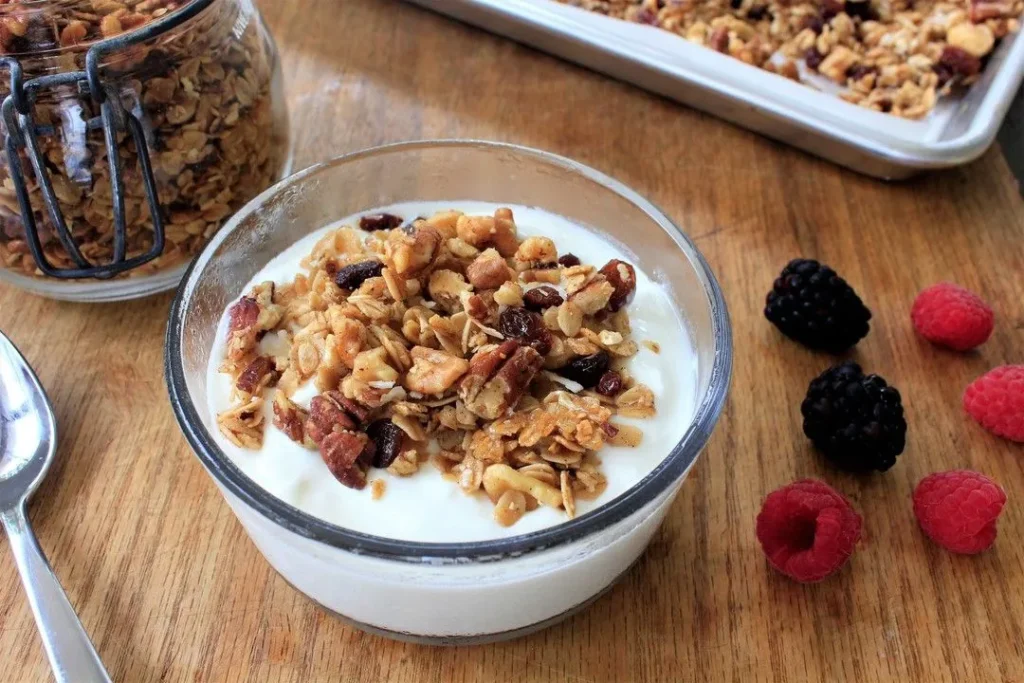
<point>117,112</point>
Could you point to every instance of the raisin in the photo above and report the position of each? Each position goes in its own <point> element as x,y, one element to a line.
<point>568,260</point>
<point>586,370</point>
<point>813,58</point>
<point>859,71</point>
<point>815,23</point>
<point>862,9</point>
<point>539,298</point>
<point>526,327</point>
<point>350,277</point>
<point>610,384</point>
<point>380,221</point>
<point>757,12</point>
<point>387,439</point>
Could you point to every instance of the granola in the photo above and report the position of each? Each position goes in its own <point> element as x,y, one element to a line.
<point>204,94</point>
<point>435,340</point>
<point>893,56</point>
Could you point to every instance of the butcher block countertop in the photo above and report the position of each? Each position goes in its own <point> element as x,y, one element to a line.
<point>171,588</point>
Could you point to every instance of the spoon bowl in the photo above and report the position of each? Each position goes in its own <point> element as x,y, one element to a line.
<point>28,430</point>
<point>28,442</point>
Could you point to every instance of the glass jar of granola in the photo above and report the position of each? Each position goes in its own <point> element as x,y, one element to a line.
<point>132,129</point>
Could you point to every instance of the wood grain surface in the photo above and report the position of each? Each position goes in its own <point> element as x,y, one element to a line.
<point>171,589</point>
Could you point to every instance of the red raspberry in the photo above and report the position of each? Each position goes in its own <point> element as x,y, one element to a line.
<point>958,509</point>
<point>807,530</point>
<point>996,401</point>
<point>949,315</point>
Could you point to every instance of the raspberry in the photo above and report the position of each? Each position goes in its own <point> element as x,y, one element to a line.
<point>807,530</point>
<point>996,401</point>
<point>958,510</point>
<point>949,315</point>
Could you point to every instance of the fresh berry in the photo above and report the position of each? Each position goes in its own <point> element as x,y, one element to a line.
<point>807,530</point>
<point>855,420</point>
<point>958,510</point>
<point>996,401</point>
<point>814,306</point>
<point>951,316</point>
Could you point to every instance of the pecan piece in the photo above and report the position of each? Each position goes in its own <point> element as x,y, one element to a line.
<point>243,314</point>
<point>289,418</point>
<point>482,367</point>
<point>260,372</point>
<point>343,451</point>
<point>433,371</point>
<point>499,380</point>
<point>331,411</point>
<point>623,278</point>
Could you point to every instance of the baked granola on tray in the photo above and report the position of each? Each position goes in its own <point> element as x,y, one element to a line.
<point>447,339</point>
<point>894,56</point>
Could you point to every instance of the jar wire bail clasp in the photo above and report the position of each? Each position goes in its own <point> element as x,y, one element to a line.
<point>22,137</point>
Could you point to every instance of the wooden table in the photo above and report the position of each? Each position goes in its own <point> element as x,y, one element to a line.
<point>171,589</point>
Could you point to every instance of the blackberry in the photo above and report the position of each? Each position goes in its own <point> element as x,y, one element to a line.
<point>855,420</point>
<point>814,306</point>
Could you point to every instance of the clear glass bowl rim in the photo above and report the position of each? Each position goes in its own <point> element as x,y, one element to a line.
<point>673,467</point>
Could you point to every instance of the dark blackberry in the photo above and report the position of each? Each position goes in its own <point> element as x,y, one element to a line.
<point>855,420</point>
<point>814,306</point>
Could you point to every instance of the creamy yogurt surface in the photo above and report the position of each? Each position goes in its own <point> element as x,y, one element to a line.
<point>425,507</point>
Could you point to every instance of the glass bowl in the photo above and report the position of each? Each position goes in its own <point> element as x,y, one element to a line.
<point>447,592</point>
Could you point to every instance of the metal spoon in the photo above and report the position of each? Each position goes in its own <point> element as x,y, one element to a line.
<point>28,441</point>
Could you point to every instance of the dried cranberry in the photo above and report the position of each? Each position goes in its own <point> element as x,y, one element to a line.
<point>813,58</point>
<point>959,61</point>
<point>539,298</point>
<point>526,327</point>
<point>568,260</point>
<point>380,221</point>
<point>610,384</point>
<point>350,277</point>
<point>387,439</point>
<point>586,370</point>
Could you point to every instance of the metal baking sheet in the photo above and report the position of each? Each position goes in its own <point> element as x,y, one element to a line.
<point>957,131</point>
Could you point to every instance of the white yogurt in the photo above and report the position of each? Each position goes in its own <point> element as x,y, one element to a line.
<point>425,507</point>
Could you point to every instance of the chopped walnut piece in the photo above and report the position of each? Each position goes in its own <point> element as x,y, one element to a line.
<point>537,251</point>
<point>411,254</point>
<point>594,297</point>
<point>434,372</point>
<point>446,287</point>
<point>372,366</point>
<point>489,270</point>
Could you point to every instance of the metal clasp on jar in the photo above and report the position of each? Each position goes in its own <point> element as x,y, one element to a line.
<point>22,137</point>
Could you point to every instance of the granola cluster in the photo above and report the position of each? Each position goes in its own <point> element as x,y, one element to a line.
<point>445,339</point>
<point>893,56</point>
<point>203,92</point>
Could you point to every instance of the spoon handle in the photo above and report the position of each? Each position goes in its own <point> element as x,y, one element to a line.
<point>71,655</point>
